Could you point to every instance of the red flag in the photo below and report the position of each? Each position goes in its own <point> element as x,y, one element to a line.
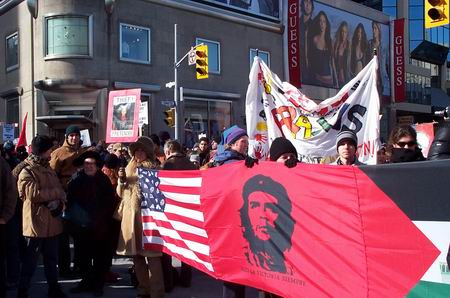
<point>23,133</point>
<point>311,231</point>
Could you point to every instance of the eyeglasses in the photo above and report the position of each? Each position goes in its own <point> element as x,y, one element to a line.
<point>93,163</point>
<point>403,144</point>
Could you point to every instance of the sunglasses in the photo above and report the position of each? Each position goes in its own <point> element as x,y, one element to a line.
<point>403,144</point>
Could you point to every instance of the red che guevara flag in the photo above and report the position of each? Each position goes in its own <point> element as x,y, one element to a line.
<point>311,231</point>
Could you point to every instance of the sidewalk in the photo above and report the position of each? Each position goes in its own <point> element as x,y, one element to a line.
<point>203,286</point>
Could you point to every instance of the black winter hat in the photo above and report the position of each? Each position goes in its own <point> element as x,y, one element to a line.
<point>41,144</point>
<point>72,129</point>
<point>111,161</point>
<point>88,154</point>
<point>281,146</point>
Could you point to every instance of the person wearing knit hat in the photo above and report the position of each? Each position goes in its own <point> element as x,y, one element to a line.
<point>233,146</point>
<point>346,145</point>
<point>43,202</point>
<point>282,150</point>
<point>72,129</point>
<point>62,163</point>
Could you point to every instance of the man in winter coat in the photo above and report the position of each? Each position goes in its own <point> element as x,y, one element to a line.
<point>175,160</point>
<point>43,201</point>
<point>62,163</point>
<point>8,198</point>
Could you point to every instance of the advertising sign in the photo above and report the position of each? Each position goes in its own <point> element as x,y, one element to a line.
<point>85,137</point>
<point>143,113</point>
<point>123,115</point>
<point>334,45</point>
<point>399,60</point>
<point>265,8</point>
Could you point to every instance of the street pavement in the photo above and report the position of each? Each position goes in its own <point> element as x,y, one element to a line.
<point>202,286</point>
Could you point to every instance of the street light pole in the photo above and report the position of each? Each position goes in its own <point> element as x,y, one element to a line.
<point>175,89</point>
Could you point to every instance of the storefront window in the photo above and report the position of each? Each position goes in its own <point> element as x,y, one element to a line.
<point>68,36</point>
<point>208,117</point>
<point>134,43</point>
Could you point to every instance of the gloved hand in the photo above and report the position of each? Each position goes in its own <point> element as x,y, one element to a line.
<point>290,163</point>
<point>250,162</point>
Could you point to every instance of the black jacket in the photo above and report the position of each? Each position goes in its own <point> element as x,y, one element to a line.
<point>179,161</point>
<point>90,201</point>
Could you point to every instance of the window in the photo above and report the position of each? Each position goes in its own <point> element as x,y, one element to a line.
<point>68,36</point>
<point>213,54</point>
<point>390,7</point>
<point>208,117</point>
<point>265,56</point>
<point>134,44</point>
<point>12,110</point>
<point>12,51</point>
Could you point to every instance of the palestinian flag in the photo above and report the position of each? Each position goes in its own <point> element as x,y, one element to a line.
<point>309,231</point>
<point>420,190</point>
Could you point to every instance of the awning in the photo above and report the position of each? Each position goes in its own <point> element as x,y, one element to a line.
<point>439,99</point>
<point>62,121</point>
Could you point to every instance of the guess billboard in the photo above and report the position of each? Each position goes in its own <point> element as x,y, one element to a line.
<point>399,60</point>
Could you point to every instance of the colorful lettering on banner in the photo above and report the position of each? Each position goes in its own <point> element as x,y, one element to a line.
<point>399,60</point>
<point>312,127</point>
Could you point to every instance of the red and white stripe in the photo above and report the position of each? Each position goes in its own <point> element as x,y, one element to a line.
<point>179,229</point>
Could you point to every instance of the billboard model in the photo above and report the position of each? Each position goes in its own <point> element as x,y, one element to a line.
<point>329,46</point>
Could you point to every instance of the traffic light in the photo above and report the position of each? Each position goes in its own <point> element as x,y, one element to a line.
<point>170,117</point>
<point>201,62</point>
<point>436,13</point>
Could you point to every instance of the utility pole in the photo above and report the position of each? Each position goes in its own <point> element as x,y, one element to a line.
<point>175,89</point>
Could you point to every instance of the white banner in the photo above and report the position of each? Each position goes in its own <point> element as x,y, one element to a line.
<point>275,108</point>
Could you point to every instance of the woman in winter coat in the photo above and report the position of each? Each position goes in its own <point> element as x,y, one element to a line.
<point>90,207</point>
<point>147,263</point>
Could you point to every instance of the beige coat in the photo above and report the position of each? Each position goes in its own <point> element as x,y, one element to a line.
<point>37,186</point>
<point>62,162</point>
<point>129,212</point>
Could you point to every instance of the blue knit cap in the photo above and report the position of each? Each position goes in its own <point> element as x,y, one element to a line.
<point>233,134</point>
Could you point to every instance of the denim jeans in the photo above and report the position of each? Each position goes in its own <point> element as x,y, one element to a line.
<point>34,247</point>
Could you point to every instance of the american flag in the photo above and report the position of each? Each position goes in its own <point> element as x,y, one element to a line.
<point>172,216</point>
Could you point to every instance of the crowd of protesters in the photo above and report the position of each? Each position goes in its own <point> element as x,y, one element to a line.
<point>56,195</point>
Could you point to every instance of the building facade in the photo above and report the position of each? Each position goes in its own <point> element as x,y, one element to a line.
<point>61,62</point>
<point>427,77</point>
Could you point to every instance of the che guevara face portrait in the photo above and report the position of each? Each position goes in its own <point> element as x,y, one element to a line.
<point>267,223</point>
